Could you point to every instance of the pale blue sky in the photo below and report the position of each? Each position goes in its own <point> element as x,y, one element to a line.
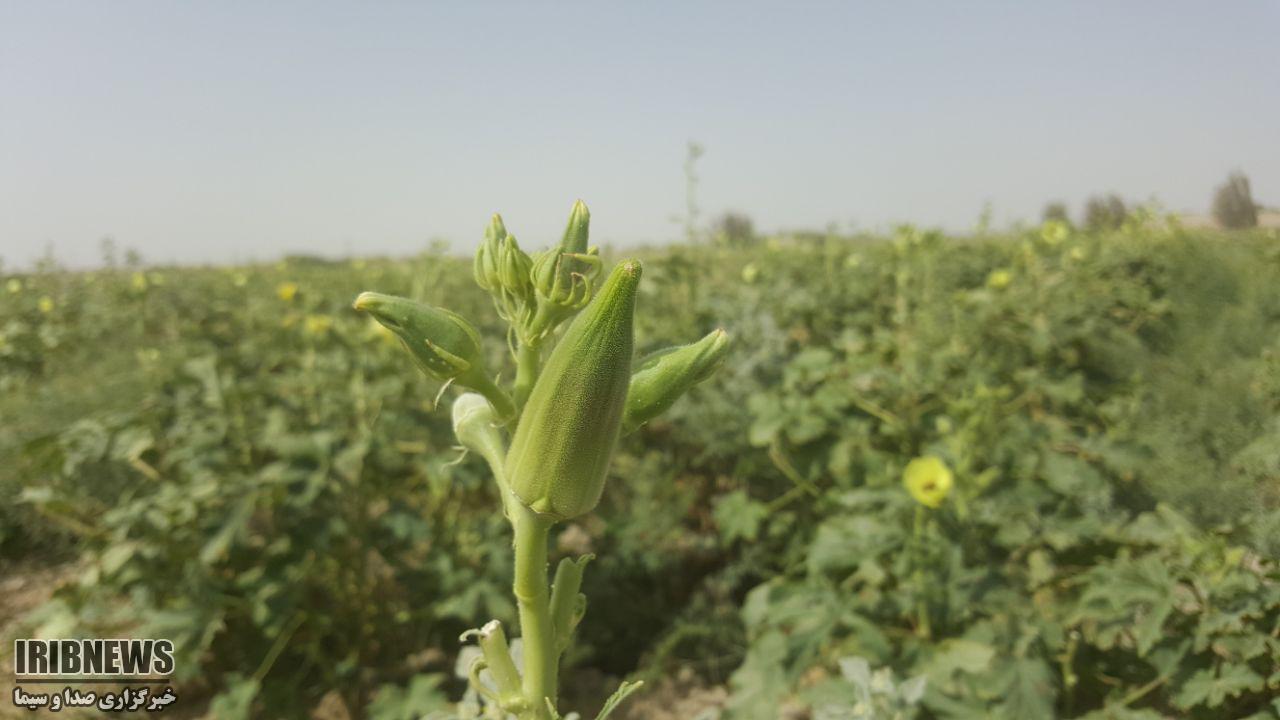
<point>243,130</point>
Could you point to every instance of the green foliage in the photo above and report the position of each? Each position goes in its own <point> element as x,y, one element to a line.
<point>246,467</point>
<point>1050,566</point>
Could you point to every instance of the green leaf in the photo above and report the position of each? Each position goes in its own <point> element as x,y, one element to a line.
<point>1203,688</point>
<point>622,693</point>
<point>738,516</point>
<point>236,701</point>
<point>423,695</point>
<point>1030,692</point>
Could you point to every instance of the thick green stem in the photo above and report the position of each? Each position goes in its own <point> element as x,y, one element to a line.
<point>528,360</point>
<point>533,598</point>
<point>501,402</point>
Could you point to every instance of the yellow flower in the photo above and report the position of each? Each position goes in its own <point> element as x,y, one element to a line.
<point>999,279</point>
<point>750,273</point>
<point>929,480</point>
<point>1054,231</point>
<point>1078,253</point>
<point>45,304</point>
<point>139,282</point>
<point>240,280</point>
<point>317,324</point>
<point>14,286</point>
<point>287,290</point>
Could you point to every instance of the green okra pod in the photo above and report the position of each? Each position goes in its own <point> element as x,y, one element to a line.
<point>442,344</point>
<point>566,435</point>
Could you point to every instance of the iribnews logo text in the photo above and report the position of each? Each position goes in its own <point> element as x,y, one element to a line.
<point>91,657</point>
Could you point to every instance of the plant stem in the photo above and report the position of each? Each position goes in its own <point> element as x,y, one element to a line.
<point>499,399</point>
<point>922,606</point>
<point>528,358</point>
<point>534,603</point>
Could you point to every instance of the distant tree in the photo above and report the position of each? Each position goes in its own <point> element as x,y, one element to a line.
<point>734,230</point>
<point>1233,205</point>
<point>1104,212</point>
<point>1056,210</point>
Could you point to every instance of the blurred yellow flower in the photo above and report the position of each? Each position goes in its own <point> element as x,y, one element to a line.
<point>14,286</point>
<point>45,304</point>
<point>240,280</point>
<point>287,290</point>
<point>139,282</point>
<point>317,324</point>
<point>999,279</point>
<point>1054,231</point>
<point>852,260</point>
<point>1078,253</point>
<point>750,273</point>
<point>929,480</point>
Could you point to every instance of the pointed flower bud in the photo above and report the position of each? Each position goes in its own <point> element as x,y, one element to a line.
<point>578,230</point>
<point>485,268</point>
<point>514,269</point>
<point>662,377</point>
<point>503,269</point>
<point>565,438</point>
<point>442,343</point>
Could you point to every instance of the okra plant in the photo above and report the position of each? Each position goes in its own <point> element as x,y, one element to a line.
<point>549,438</point>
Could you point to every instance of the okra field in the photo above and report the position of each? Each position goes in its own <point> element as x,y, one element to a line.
<point>1027,474</point>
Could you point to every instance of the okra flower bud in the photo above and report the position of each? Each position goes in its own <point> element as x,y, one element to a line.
<point>442,343</point>
<point>563,276</point>
<point>514,268</point>
<point>503,269</point>
<point>565,438</point>
<point>486,262</point>
<point>577,233</point>
<point>663,376</point>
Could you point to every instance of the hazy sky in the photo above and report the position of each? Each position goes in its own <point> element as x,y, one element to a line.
<point>242,130</point>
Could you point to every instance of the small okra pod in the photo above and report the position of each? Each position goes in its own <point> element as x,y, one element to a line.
<point>662,377</point>
<point>442,344</point>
